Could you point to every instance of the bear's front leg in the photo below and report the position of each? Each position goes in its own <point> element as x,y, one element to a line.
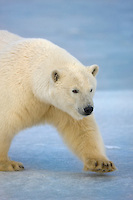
<point>90,148</point>
<point>84,139</point>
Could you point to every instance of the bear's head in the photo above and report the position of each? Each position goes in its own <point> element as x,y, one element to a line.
<point>72,91</point>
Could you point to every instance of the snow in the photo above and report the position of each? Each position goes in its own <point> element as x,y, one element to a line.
<point>52,172</point>
<point>94,32</point>
<point>112,147</point>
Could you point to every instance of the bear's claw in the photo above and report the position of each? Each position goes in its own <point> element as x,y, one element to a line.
<point>99,166</point>
<point>11,166</point>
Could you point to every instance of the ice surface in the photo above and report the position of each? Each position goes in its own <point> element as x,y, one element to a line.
<point>52,172</point>
<point>112,147</point>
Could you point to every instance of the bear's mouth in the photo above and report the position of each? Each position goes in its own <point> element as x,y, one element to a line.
<point>86,111</point>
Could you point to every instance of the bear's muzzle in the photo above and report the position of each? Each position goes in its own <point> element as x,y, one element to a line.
<point>86,111</point>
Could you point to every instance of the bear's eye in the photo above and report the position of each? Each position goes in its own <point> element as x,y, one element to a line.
<point>75,91</point>
<point>91,90</point>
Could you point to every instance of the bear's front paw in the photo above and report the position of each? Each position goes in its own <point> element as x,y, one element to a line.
<point>11,166</point>
<point>102,166</point>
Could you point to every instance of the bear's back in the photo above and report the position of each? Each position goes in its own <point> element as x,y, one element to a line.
<point>7,38</point>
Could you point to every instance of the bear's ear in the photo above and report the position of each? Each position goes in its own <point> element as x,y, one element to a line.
<point>93,69</point>
<point>55,75</point>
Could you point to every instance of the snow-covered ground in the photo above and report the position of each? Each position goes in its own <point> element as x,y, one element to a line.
<point>52,172</point>
<point>95,32</point>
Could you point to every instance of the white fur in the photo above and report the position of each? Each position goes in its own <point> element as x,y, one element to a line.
<point>30,95</point>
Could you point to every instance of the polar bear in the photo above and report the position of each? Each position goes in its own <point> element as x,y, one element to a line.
<point>42,83</point>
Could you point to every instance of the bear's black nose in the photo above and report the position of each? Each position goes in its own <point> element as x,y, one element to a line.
<point>88,110</point>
